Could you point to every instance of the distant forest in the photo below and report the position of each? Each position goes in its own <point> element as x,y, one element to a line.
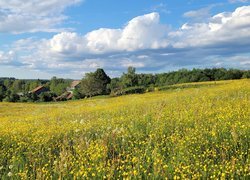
<point>99,83</point>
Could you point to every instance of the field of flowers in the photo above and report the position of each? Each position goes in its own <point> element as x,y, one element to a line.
<point>190,131</point>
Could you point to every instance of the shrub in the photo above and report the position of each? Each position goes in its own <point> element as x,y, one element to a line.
<point>131,90</point>
<point>46,96</point>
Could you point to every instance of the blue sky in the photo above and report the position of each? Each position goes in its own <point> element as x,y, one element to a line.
<point>67,38</point>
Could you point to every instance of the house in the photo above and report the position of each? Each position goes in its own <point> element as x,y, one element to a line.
<point>64,96</point>
<point>38,90</point>
<point>69,92</point>
<point>70,96</point>
<point>73,86</point>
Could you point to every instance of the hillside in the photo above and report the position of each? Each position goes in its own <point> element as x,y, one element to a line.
<point>187,131</point>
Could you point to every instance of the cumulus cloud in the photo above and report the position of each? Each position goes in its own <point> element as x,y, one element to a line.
<point>144,43</point>
<point>18,16</point>
<point>223,29</point>
<point>147,33</point>
<point>142,32</point>
<point>66,43</point>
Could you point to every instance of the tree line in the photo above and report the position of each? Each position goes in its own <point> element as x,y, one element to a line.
<point>19,90</point>
<point>99,83</point>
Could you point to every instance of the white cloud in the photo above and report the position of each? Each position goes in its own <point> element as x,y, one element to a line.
<point>142,57</point>
<point>239,1</point>
<point>66,43</point>
<point>146,32</point>
<point>199,14</point>
<point>238,61</point>
<point>6,57</point>
<point>142,32</point>
<point>162,8</point>
<point>223,28</point>
<point>103,40</point>
<point>144,43</point>
<point>45,7</point>
<point>129,62</point>
<point>18,16</point>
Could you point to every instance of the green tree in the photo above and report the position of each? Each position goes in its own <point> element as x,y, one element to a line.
<point>95,83</point>
<point>246,74</point>
<point>130,78</point>
<point>33,84</point>
<point>77,94</point>
<point>46,97</point>
<point>58,85</point>
<point>18,86</point>
<point>146,79</point>
<point>2,92</point>
<point>115,84</point>
<point>12,97</point>
<point>8,83</point>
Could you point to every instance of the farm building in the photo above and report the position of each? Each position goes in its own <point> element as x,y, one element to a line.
<point>38,90</point>
<point>64,96</point>
<point>69,92</point>
<point>73,86</point>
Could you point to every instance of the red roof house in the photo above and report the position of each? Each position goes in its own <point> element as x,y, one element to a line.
<point>38,90</point>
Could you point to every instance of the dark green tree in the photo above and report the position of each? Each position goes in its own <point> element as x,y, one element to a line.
<point>77,94</point>
<point>130,78</point>
<point>246,74</point>
<point>115,84</point>
<point>12,97</point>
<point>95,83</point>
<point>2,91</point>
<point>46,96</point>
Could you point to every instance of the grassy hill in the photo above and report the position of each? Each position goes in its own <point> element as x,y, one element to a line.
<point>187,131</point>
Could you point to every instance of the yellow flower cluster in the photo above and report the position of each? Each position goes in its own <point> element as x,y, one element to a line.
<point>197,131</point>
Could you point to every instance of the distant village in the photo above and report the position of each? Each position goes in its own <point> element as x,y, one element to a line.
<point>67,95</point>
<point>55,89</point>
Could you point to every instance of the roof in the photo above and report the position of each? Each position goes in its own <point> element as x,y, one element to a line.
<point>37,89</point>
<point>70,96</point>
<point>74,83</point>
<point>66,95</point>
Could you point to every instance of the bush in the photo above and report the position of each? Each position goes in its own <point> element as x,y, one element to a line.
<point>6,99</point>
<point>77,94</point>
<point>11,98</point>
<point>131,90</point>
<point>246,75</point>
<point>46,96</point>
<point>24,99</point>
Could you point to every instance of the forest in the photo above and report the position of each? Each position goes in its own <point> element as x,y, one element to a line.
<point>99,83</point>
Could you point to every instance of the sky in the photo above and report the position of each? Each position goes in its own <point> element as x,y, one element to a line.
<point>68,38</point>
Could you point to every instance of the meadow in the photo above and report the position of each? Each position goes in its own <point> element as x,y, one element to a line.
<point>190,131</point>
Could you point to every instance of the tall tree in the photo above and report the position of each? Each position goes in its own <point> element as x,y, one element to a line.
<point>18,86</point>
<point>58,85</point>
<point>95,83</point>
<point>33,84</point>
<point>130,78</point>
